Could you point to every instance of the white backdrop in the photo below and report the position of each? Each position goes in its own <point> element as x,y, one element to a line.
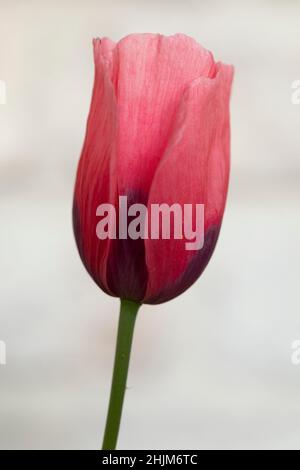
<point>211,369</point>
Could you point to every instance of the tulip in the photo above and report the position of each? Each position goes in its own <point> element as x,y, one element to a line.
<point>158,132</point>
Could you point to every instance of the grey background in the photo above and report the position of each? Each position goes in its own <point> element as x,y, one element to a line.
<point>211,369</point>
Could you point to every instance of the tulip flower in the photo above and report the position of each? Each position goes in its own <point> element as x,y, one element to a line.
<point>158,132</point>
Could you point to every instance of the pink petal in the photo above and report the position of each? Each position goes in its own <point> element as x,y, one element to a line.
<point>96,181</point>
<point>103,50</point>
<point>194,169</point>
<point>150,73</point>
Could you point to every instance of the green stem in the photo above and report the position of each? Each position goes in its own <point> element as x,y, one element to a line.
<point>127,318</point>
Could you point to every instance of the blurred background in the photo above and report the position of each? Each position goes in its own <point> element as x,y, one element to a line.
<point>212,369</point>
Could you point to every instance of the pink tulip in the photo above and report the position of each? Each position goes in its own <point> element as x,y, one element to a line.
<point>158,132</point>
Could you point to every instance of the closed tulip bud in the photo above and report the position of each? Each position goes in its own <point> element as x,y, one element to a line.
<point>158,132</point>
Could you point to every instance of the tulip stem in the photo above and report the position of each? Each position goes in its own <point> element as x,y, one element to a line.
<point>128,313</point>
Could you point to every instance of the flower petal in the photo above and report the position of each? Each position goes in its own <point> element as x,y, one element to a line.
<point>96,180</point>
<point>103,49</point>
<point>150,73</point>
<point>194,170</point>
